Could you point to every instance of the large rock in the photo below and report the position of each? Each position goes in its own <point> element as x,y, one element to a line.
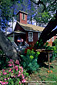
<point>7,46</point>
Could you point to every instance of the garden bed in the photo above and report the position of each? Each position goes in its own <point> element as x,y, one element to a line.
<point>43,77</point>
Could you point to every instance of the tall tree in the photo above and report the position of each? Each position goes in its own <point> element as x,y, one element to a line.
<point>47,14</point>
<point>5,11</point>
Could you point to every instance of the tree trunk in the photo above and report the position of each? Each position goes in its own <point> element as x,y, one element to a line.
<point>47,32</point>
<point>53,33</point>
<point>7,47</point>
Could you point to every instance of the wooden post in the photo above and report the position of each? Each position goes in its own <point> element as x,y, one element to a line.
<point>48,61</point>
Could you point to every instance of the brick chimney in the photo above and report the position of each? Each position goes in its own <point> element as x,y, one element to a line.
<point>22,17</point>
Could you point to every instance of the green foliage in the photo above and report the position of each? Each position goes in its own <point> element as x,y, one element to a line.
<point>5,9</point>
<point>54,49</point>
<point>13,75</point>
<point>25,73</point>
<point>3,60</point>
<point>47,46</point>
<point>55,42</point>
<point>54,53</point>
<point>42,17</point>
<point>29,61</point>
<point>38,44</point>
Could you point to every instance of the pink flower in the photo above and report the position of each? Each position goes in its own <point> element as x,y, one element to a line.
<point>10,69</point>
<point>23,81</point>
<point>19,74</point>
<point>8,78</point>
<point>5,79</point>
<point>6,82</point>
<point>21,68</point>
<point>19,82</point>
<point>13,65</point>
<point>3,83</point>
<point>14,76</point>
<point>9,64</point>
<point>16,67</point>
<point>22,76</point>
<point>11,60</point>
<point>0,81</point>
<point>0,74</point>
<point>3,70</point>
<point>4,73</point>
<point>17,62</point>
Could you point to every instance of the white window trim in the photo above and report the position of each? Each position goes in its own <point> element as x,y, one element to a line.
<point>23,16</point>
<point>39,33</point>
<point>30,39</point>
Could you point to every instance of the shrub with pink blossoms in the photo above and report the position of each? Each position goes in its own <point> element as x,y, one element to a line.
<point>17,62</point>
<point>12,75</point>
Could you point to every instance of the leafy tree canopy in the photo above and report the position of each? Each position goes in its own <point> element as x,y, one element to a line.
<point>47,14</point>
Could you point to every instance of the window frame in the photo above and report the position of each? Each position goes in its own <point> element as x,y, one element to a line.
<point>39,33</point>
<point>23,16</point>
<point>30,39</point>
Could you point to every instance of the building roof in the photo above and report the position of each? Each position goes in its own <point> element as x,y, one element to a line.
<point>30,27</point>
<point>18,32</point>
<point>21,12</point>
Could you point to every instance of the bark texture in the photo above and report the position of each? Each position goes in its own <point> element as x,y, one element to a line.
<point>7,46</point>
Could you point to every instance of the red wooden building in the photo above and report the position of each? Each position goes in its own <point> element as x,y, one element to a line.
<point>28,32</point>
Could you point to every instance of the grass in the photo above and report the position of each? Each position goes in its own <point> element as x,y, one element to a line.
<point>42,76</point>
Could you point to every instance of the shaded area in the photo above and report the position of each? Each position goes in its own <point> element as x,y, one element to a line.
<point>42,58</point>
<point>48,32</point>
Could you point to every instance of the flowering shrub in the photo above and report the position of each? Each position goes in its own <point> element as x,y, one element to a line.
<point>13,75</point>
<point>29,61</point>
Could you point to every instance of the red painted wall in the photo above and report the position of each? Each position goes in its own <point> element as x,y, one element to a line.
<point>35,35</point>
<point>18,27</point>
<point>35,38</point>
<point>21,20</point>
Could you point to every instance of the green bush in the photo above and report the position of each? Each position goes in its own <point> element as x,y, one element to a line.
<point>13,75</point>
<point>29,61</point>
<point>54,48</point>
<point>3,60</point>
<point>54,53</point>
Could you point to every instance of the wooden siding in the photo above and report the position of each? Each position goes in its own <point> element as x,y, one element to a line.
<point>21,20</point>
<point>35,38</point>
<point>18,27</point>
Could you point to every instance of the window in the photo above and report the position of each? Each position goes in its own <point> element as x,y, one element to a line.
<point>39,35</point>
<point>23,16</point>
<point>30,36</point>
<point>52,39</point>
